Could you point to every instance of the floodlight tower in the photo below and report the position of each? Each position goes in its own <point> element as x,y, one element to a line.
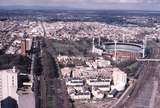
<point>99,41</point>
<point>115,50</point>
<point>123,38</point>
<point>144,46</point>
<point>93,46</point>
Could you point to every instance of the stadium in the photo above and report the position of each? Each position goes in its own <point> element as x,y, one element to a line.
<point>124,50</point>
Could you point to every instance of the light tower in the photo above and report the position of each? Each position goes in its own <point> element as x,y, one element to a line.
<point>93,46</point>
<point>144,46</point>
<point>115,50</point>
<point>99,41</point>
<point>123,38</point>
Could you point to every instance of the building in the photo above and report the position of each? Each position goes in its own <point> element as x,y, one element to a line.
<point>74,82</point>
<point>119,79</point>
<point>119,50</point>
<point>79,88</point>
<point>26,45</point>
<point>86,95</point>
<point>101,63</point>
<point>112,93</point>
<point>66,72</point>
<point>70,90</point>
<point>96,50</point>
<point>104,88</point>
<point>23,47</point>
<point>8,84</point>
<point>73,89</point>
<point>27,100</point>
<point>28,84</point>
<point>98,63</point>
<point>98,94</point>
<point>98,82</point>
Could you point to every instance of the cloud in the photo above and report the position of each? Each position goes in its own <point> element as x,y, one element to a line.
<point>125,1</point>
<point>76,1</point>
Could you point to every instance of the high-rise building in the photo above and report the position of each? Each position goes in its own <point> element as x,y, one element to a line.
<point>119,79</point>
<point>23,47</point>
<point>8,84</point>
<point>26,45</point>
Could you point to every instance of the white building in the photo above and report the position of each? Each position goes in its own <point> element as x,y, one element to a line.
<point>79,88</point>
<point>98,94</point>
<point>28,43</point>
<point>104,88</point>
<point>73,89</point>
<point>81,96</point>
<point>97,51</point>
<point>8,84</point>
<point>70,90</point>
<point>66,71</point>
<point>74,82</point>
<point>82,72</point>
<point>103,63</point>
<point>98,82</point>
<point>28,84</point>
<point>119,79</point>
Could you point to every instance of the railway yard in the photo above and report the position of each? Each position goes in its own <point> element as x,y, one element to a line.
<point>146,93</point>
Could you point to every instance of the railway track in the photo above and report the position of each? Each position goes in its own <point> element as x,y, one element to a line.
<point>142,95</point>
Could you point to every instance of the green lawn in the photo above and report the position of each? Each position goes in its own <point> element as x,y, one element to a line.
<point>132,68</point>
<point>51,102</point>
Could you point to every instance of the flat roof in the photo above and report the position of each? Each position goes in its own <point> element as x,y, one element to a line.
<point>27,100</point>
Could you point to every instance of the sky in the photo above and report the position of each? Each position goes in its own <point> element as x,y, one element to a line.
<point>88,4</point>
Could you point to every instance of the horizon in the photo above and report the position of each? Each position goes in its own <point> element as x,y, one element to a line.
<point>24,7</point>
<point>150,5</point>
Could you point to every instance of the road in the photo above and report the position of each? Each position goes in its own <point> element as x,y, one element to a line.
<point>146,91</point>
<point>51,87</point>
<point>35,70</point>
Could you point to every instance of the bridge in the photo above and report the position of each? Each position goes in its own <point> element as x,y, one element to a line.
<point>149,60</point>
